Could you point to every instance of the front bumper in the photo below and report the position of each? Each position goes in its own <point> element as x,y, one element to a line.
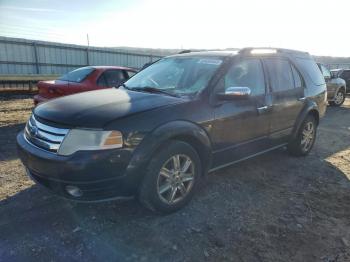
<point>100,175</point>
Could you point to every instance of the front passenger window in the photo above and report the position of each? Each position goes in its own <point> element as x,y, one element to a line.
<point>246,73</point>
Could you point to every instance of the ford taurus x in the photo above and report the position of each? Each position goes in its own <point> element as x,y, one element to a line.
<point>157,135</point>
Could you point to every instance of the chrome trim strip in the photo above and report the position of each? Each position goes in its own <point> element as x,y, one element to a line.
<point>43,144</point>
<point>46,137</point>
<point>50,129</point>
<point>40,148</point>
<point>50,138</point>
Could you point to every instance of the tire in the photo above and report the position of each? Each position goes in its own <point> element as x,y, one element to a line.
<point>302,145</point>
<point>157,188</point>
<point>339,98</point>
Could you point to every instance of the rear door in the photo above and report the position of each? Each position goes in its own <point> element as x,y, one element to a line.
<point>287,97</point>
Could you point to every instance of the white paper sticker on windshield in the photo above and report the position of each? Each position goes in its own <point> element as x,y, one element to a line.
<point>210,61</point>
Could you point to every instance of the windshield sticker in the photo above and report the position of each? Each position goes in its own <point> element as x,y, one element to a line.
<point>210,61</point>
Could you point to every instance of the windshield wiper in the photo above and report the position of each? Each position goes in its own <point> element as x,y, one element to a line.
<point>151,90</point>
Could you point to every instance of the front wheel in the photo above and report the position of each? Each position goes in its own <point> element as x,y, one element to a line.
<point>339,98</point>
<point>171,179</point>
<point>302,144</point>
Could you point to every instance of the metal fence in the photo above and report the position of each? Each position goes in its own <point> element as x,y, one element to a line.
<point>23,57</point>
<point>338,65</point>
<point>27,57</point>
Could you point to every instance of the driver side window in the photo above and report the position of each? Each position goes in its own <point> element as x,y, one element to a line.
<point>246,73</point>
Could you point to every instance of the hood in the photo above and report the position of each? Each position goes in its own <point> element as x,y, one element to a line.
<point>95,109</point>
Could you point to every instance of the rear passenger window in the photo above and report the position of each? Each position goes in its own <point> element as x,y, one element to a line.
<point>280,72</point>
<point>298,83</point>
<point>246,73</point>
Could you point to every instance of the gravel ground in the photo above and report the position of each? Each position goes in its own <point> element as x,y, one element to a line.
<point>271,208</point>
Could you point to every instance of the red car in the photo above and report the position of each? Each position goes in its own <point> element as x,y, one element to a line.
<point>83,79</point>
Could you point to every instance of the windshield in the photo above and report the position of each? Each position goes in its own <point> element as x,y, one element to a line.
<point>176,75</point>
<point>77,75</point>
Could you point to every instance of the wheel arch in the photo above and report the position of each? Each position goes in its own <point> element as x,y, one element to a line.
<point>342,88</point>
<point>310,109</point>
<point>180,130</point>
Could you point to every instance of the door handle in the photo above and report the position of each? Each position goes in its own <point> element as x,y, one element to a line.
<point>302,98</point>
<point>263,109</point>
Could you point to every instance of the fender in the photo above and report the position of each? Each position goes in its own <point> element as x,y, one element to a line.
<point>179,129</point>
<point>310,107</point>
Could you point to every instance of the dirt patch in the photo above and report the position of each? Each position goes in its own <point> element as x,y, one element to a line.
<point>271,208</point>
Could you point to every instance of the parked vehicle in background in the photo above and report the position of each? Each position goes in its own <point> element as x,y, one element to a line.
<point>336,86</point>
<point>83,79</point>
<point>173,122</point>
<point>344,74</point>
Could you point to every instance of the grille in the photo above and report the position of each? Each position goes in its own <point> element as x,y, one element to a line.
<point>43,136</point>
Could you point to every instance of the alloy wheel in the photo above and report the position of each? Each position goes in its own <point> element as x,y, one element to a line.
<point>339,97</point>
<point>175,179</point>
<point>308,136</point>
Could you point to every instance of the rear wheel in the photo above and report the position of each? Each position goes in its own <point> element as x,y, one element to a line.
<point>302,144</point>
<point>171,179</point>
<point>339,98</point>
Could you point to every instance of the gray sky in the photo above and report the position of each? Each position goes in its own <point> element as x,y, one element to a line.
<point>319,27</point>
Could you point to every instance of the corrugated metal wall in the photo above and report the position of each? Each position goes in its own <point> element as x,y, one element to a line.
<point>21,56</point>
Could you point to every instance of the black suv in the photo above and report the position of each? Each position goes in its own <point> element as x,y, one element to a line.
<point>172,123</point>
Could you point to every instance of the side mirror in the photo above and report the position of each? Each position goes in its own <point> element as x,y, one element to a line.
<point>235,93</point>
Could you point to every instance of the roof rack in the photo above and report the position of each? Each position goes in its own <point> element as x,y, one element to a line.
<point>269,50</point>
<point>185,51</point>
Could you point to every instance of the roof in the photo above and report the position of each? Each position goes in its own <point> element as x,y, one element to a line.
<point>247,51</point>
<point>222,53</point>
<point>114,67</point>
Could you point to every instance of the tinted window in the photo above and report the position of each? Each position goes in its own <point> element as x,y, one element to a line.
<point>345,75</point>
<point>326,73</point>
<point>246,73</point>
<point>297,78</point>
<point>280,72</point>
<point>112,78</point>
<point>311,69</point>
<point>77,75</point>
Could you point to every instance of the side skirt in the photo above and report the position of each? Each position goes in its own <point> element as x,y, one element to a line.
<point>247,157</point>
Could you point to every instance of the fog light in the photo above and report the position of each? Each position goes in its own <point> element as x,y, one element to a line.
<point>74,191</point>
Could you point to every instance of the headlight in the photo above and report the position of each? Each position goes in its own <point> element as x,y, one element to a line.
<point>79,139</point>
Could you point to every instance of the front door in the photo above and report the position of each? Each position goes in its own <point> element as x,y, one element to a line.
<point>241,126</point>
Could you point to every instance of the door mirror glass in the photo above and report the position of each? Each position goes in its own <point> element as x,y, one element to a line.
<point>235,92</point>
